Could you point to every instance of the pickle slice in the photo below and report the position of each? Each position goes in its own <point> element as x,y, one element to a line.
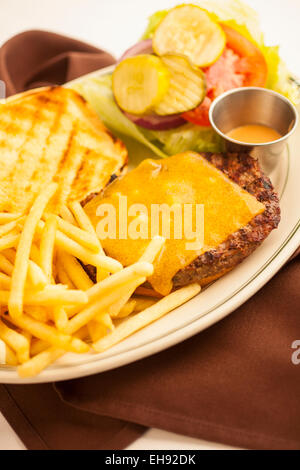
<point>189,30</point>
<point>187,87</point>
<point>140,82</point>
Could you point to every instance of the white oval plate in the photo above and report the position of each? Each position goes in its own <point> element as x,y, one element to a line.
<point>213,304</point>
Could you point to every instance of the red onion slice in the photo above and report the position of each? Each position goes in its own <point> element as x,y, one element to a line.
<point>142,47</point>
<point>157,123</point>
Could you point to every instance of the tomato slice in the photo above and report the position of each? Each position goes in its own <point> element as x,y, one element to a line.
<point>241,64</point>
<point>252,64</point>
<point>200,115</point>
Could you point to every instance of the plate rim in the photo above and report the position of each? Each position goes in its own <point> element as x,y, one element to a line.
<point>262,277</point>
<point>193,327</point>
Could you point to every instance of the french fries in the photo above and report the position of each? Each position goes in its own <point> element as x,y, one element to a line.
<point>38,346</point>
<point>47,246</point>
<point>9,241</point>
<point>49,297</point>
<point>5,281</point>
<point>149,256</point>
<point>70,246</point>
<point>50,334</point>
<point>153,249</point>
<point>80,236</point>
<point>75,271</point>
<point>11,358</point>
<point>19,343</point>
<point>63,277</point>
<point>35,254</point>
<point>10,254</point>
<point>9,227</point>
<point>39,362</point>
<point>85,223</point>
<point>141,303</point>
<point>6,217</point>
<point>15,304</point>
<point>5,265</point>
<point>39,313</point>
<point>60,318</point>
<point>96,330</point>
<point>36,275</point>
<point>83,220</point>
<point>127,275</point>
<point>7,356</point>
<point>67,215</point>
<point>90,312</point>
<point>127,310</point>
<point>148,316</point>
<point>49,306</point>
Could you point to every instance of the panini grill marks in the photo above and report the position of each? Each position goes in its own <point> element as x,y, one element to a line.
<point>15,161</point>
<point>68,166</point>
<point>57,137</point>
<point>90,171</point>
<point>14,130</point>
<point>56,143</point>
<point>30,154</point>
<point>104,158</point>
<point>21,119</point>
<point>93,174</point>
<point>90,157</point>
<point>78,167</point>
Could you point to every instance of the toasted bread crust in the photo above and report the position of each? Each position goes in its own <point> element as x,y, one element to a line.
<point>52,134</point>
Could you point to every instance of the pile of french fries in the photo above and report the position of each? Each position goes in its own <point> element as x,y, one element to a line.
<point>50,306</point>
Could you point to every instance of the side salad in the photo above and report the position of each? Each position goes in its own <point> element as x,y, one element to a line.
<point>162,88</point>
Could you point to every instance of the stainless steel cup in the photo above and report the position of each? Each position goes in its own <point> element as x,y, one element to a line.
<point>251,105</point>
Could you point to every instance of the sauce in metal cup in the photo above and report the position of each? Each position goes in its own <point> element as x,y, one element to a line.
<point>251,105</point>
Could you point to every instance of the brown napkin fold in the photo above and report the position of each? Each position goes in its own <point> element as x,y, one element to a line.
<point>39,58</point>
<point>234,383</point>
<point>43,422</point>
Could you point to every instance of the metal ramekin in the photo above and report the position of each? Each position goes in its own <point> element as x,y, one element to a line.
<point>251,105</point>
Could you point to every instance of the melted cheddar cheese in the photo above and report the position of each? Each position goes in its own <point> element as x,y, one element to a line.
<point>186,178</point>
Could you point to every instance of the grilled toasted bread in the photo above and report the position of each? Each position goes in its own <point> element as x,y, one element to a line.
<point>51,134</point>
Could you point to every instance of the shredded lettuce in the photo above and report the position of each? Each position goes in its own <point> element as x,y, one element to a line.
<point>188,137</point>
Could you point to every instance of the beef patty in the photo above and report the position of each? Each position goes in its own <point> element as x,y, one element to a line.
<point>246,172</point>
<point>213,264</point>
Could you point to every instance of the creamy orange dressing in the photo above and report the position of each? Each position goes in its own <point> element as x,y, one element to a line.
<point>186,179</point>
<point>254,134</point>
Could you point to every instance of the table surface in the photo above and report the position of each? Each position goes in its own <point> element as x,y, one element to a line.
<point>114,26</point>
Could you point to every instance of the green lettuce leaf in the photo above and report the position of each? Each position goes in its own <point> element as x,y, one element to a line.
<point>187,137</point>
<point>98,92</point>
<point>153,22</point>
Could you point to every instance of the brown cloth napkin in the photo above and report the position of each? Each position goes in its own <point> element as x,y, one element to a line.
<point>234,383</point>
<point>39,58</point>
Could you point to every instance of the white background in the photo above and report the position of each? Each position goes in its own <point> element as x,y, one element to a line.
<point>115,25</point>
